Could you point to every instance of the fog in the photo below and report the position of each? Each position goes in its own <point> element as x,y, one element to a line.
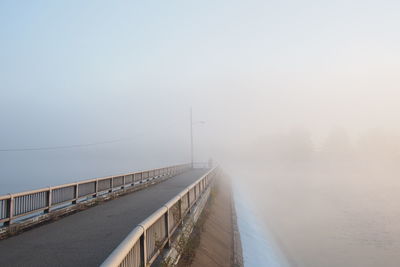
<point>299,99</point>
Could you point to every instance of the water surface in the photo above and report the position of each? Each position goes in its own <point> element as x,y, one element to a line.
<point>322,217</point>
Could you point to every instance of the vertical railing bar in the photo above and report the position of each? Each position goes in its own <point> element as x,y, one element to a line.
<point>143,243</point>
<point>167,226</point>
<point>11,208</point>
<point>24,204</point>
<point>97,187</point>
<point>49,199</point>
<point>76,194</point>
<point>18,206</point>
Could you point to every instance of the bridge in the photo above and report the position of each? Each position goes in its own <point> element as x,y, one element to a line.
<point>130,218</point>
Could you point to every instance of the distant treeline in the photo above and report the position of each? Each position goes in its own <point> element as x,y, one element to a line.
<point>372,147</point>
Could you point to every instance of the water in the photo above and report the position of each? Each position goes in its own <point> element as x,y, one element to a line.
<point>22,171</point>
<point>319,217</point>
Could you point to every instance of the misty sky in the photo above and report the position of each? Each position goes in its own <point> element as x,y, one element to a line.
<point>84,71</point>
<point>78,72</point>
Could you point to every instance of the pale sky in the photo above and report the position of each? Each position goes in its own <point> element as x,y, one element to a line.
<point>84,71</point>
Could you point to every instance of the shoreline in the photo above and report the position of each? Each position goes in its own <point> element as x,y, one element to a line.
<point>260,243</point>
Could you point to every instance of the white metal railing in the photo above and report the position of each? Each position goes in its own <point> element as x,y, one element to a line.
<point>37,202</point>
<point>142,246</point>
<point>202,165</point>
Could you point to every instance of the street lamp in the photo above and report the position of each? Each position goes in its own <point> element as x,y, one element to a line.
<point>191,135</point>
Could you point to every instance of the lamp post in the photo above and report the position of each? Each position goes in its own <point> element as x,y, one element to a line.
<point>191,136</point>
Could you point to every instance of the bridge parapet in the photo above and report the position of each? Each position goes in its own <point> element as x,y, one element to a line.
<point>143,245</point>
<point>14,207</point>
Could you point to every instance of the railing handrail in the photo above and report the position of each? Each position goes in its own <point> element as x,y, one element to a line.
<point>19,204</point>
<point>83,182</point>
<point>121,252</point>
<point>124,247</point>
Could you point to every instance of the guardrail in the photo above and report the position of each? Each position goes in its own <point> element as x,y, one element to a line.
<point>14,206</point>
<point>202,165</point>
<point>142,246</point>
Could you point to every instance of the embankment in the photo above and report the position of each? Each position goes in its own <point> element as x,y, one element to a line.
<point>215,240</point>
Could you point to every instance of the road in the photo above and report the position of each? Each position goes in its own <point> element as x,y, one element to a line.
<point>86,238</point>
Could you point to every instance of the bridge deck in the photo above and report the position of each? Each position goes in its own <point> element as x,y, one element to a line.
<point>88,237</point>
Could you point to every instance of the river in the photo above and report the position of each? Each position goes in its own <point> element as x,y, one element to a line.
<point>316,217</point>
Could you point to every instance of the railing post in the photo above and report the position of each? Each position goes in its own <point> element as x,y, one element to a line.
<point>180,211</point>
<point>96,187</point>
<point>48,201</point>
<point>144,247</point>
<point>76,194</point>
<point>167,225</point>
<point>189,204</point>
<point>111,184</point>
<point>10,210</point>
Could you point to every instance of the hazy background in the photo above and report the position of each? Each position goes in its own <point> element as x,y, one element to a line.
<point>300,99</point>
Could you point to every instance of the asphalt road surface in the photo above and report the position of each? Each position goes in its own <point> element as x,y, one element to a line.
<point>86,238</point>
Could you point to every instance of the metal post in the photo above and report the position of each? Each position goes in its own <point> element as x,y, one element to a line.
<point>143,244</point>
<point>96,188</point>
<point>10,210</point>
<point>76,195</point>
<point>191,137</point>
<point>167,228</point>
<point>189,204</point>
<point>48,201</point>
<point>181,211</point>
